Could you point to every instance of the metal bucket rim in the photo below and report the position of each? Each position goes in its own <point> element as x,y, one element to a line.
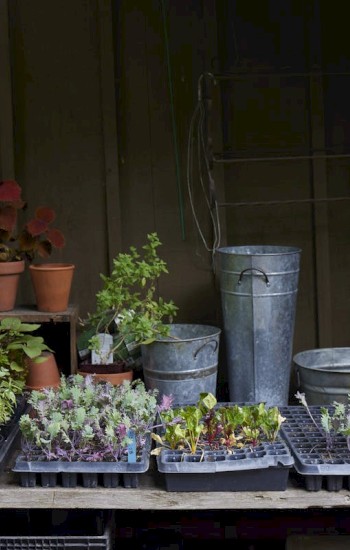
<point>325,366</point>
<point>258,250</point>
<point>212,332</point>
<point>330,369</point>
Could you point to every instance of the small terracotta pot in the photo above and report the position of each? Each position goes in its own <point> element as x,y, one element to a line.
<point>115,373</point>
<point>43,372</point>
<point>52,284</point>
<point>9,278</point>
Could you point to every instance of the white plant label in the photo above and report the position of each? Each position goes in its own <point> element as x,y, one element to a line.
<point>105,354</point>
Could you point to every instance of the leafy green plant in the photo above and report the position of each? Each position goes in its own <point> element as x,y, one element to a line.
<point>36,237</point>
<point>87,421</point>
<point>126,305</point>
<point>17,343</point>
<point>211,425</point>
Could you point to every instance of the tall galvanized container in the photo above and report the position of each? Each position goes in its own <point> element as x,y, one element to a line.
<point>259,287</point>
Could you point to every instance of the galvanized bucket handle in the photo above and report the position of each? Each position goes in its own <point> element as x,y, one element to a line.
<point>213,343</point>
<point>251,269</point>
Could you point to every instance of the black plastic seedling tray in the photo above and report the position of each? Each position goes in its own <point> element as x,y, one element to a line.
<point>85,474</point>
<point>264,468</point>
<point>10,430</point>
<point>318,467</point>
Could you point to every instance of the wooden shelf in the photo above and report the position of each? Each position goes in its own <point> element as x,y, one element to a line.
<point>30,314</point>
<point>152,495</point>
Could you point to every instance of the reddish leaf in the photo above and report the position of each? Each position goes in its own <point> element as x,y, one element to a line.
<point>45,214</point>
<point>36,227</point>
<point>19,205</point>
<point>8,218</point>
<point>10,191</point>
<point>55,236</point>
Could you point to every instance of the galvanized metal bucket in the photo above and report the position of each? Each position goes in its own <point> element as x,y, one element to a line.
<point>184,364</point>
<point>259,287</point>
<point>324,375</point>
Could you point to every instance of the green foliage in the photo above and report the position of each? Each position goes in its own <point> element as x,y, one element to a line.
<point>17,343</point>
<point>208,424</point>
<point>127,305</point>
<point>87,421</point>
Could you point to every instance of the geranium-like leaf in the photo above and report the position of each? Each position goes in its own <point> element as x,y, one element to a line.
<point>56,238</point>
<point>36,227</point>
<point>10,323</point>
<point>45,214</point>
<point>10,191</point>
<point>8,218</point>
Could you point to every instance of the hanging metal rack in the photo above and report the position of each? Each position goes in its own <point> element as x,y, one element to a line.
<point>208,79</point>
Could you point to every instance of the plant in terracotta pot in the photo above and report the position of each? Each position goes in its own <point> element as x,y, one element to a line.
<point>88,427</point>
<point>18,345</point>
<point>128,313</point>
<point>18,245</point>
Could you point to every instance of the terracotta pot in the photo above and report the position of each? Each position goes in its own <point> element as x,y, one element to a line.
<point>115,373</point>
<point>43,372</point>
<point>52,284</point>
<point>9,279</point>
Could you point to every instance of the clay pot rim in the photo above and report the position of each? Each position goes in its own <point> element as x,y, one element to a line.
<point>17,266</point>
<point>50,266</point>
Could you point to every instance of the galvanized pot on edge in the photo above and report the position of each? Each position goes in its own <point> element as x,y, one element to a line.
<point>323,374</point>
<point>184,364</point>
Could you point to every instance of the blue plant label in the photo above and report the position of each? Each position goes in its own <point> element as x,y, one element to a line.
<point>132,446</point>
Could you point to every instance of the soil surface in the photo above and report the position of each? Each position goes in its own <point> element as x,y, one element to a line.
<point>111,368</point>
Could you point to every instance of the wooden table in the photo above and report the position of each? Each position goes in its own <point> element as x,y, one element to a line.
<point>152,495</point>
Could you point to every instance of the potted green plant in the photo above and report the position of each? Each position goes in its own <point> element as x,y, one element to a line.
<point>18,344</point>
<point>18,245</point>
<point>127,313</point>
<point>178,359</point>
<point>222,447</point>
<point>94,429</point>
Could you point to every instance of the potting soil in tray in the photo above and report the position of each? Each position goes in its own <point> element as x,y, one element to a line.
<point>86,474</point>
<point>264,468</point>
<point>318,466</point>
<point>10,430</point>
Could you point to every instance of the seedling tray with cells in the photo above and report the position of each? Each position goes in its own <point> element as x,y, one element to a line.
<point>222,447</point>
<point>321,454</point>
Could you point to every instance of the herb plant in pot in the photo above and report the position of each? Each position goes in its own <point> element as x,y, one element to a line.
<point>128,313</point>
<point>20,246</point>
